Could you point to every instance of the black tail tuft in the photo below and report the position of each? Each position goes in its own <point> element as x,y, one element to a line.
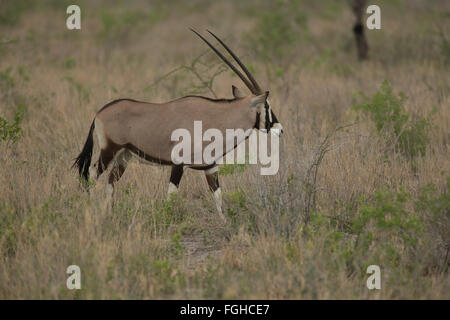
<point>83,161</point>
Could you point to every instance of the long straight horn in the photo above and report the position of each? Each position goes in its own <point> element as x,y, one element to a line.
<point>250,77</point>
<point>243,78</point>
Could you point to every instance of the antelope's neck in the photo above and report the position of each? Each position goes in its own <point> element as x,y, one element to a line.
<point>239,115</point>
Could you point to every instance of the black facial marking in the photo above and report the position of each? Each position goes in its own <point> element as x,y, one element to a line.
<point>267,124</point>
<point>274,118</point>
<point>258,115</point>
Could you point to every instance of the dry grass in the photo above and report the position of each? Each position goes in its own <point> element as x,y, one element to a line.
<point>275,244</point>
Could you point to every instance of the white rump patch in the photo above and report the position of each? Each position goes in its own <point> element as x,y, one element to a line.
<point>100,132</point>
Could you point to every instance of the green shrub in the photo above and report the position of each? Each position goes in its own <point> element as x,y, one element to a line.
<point>11,86</point>
<point>10,131</point>
<point>386,219</point>
<point>12,11</point>
<point>83,92</point>
<point>6,79</point>
<point>237,207</point>
<point>279,25</point>
<point>436,207</point>
<point>386,109</point>
<point>237,202</point>
<point>176,244</point>
<point>383,230</point>
<point>70,63</point>
<point>117,26</point>
<point>168,275</point>
<point>171,211</point>
<point>229,169</point>
<point>390,229</point>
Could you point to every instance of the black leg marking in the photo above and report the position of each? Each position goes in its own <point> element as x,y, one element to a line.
<point>176,174</point>
<point>116,173</point>
<point>103,161</point>
<point>213,181</point>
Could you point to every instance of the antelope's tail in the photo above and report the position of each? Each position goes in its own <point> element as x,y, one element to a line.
<point>83,161</point>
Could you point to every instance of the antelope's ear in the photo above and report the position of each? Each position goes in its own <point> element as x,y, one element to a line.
<point>237,93</point>
<point>261,99</point>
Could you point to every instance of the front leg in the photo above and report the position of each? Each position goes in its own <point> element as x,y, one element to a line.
<point>212,176</point>
<point>175,178</point>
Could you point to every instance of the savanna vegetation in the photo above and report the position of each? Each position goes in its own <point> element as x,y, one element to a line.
<point>364,173</point>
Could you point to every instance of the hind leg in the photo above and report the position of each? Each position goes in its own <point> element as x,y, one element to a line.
<point>104,159</point>
<point>119,165</point>
<point>212,177</point>
<point>95,171</point>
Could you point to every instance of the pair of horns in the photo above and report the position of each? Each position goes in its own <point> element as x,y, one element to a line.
<point>252,85</point>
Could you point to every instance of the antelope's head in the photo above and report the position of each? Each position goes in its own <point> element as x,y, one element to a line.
<point>265,117</point>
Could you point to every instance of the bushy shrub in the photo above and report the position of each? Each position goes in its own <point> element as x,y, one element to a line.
<point>117,26</point>
<point>435,207</point>
<point>229,169</point>
<point>280,24</point>
<point>11,11</point>
<point>388,230</point>
<point>385,227</point>
<point>10,131</point>
<point>171,211</point>
<point>404,134</point>
<point>6,79</point>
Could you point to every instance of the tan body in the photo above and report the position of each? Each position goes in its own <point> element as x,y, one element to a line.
<point>141,127</point>
<point>127,127</point>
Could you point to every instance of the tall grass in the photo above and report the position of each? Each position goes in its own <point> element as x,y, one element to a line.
<point>339,203</point>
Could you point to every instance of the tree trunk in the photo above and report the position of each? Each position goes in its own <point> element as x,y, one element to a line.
<point>358,29</point>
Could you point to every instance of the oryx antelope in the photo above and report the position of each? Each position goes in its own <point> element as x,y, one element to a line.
<point>126,127</point>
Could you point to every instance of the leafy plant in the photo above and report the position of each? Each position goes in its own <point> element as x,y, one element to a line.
<point>229,169</point>
<point>280,24</point>
<point>171,211</point>
<point>10,131</point>
<point>176,244</point>
<point>436,207</point>
<point>386,218</point>
<point>237,205</point>
<point>82,92</point>
<point>387,229</point>
<point>386,109</point>
<point>117,26</point>
<point>70,63</point>
<point>12,11</point>
<point>6,79</point>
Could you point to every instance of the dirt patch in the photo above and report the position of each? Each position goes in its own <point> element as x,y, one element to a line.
<point>199,250</point>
